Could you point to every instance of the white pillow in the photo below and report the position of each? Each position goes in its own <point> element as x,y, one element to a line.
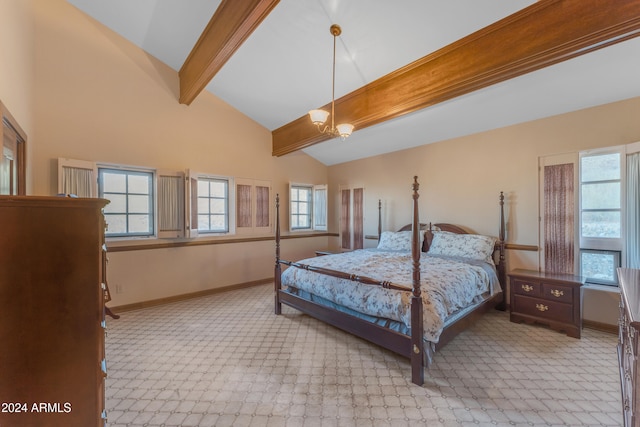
<point>473,246</point>
<point>395,241</point>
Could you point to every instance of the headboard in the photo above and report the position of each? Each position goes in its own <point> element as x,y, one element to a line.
<point>428,231</point>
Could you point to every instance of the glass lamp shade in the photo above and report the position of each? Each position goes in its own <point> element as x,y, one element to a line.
<point>318,117</point>
<point>344,129</point>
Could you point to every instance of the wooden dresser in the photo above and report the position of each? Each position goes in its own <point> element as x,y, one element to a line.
<point>551,299</point>
<point>52,357</point>
<point>628,348</point>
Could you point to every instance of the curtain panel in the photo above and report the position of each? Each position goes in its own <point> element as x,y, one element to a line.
<point>358,218</point>
<point>633,211</point>
<point>77,181</point>
<point>559,218</point>
<point>345,218</point>
<point>243,214</point>
<point>262,206</point>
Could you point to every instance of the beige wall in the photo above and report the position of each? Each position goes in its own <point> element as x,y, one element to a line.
<point>17,66</point>
<point>80,91</point>
<point>100,98</point>
<point>460,180</point>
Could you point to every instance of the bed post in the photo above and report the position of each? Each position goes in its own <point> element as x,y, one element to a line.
<point>379,219</point>
<point>417,348</point>
<point>502,273</point>
<point>277,276</point>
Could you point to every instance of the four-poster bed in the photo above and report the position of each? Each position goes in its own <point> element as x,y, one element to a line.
<point>379,294</point>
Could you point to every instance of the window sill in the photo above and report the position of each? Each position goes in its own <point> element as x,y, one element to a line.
<point>602,288</point>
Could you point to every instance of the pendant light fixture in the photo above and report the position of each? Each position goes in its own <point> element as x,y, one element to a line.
<point>319,117</point>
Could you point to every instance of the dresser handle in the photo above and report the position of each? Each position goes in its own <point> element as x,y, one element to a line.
<point>527,288</point>
<point>542,307</point>
<point>556,293</point>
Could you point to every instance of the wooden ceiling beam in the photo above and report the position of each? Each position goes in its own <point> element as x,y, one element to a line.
<point>545,33</point>
<point>229,27</point>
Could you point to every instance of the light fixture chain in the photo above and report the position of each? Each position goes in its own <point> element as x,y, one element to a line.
<point>333,84</point>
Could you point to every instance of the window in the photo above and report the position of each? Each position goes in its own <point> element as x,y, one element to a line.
<point>308,207</point>
<point>130,193</point>
<point>213,205</point>
<point>599,266</point>
<point>168,204</point>
<point>601,231</point>
<point>209,203</point>
<point>301,204</point>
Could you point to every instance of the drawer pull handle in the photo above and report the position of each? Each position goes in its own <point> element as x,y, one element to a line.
<point>556,293</point>
<point>542,307</point>
<point>527,288</point>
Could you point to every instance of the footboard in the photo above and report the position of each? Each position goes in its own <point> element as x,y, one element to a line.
<point>408,346</point>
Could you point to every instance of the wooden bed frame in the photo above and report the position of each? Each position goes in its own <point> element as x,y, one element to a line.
<point>410,346</point>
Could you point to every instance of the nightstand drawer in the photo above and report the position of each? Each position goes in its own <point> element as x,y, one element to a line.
<point>542,308</point>
<point>558,293</point>
<point>528,288</point>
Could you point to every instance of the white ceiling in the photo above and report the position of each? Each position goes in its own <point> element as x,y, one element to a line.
<point>284,68</point>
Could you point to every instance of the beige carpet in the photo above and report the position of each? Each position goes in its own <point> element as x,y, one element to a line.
<point>227,360</point>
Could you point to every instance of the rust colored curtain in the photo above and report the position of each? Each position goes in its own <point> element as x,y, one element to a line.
<point>345,218</point>
<point>358,218</point>
<point>559,218</point>
<point>262,206</point>
<point>243,216</point>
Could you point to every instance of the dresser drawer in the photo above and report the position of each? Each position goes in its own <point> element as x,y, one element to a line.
<point>537,307</point>
<point>526,287</point>
<point>559,293</point>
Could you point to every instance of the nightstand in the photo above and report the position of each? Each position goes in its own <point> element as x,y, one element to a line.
<point>552,299</point>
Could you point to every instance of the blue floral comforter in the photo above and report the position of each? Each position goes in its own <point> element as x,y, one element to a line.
<point>448,285</point>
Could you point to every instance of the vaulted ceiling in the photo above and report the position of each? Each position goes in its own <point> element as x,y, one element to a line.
<point>467,74</point>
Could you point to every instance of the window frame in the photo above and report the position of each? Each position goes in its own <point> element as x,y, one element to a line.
<point>191,205</point>
<point>612,245</point>
<point>313,215</point>
<point>227,208</point>
<point>119,169</point>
